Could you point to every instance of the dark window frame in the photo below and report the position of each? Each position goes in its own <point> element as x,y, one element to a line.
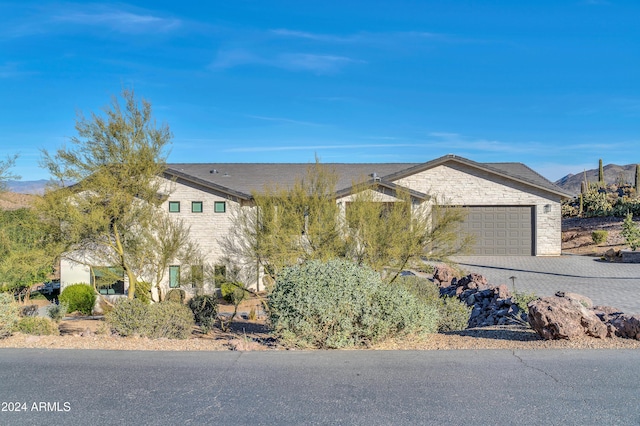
<point>197,203</point>
<point>175,284</point>
<point>173,204</point>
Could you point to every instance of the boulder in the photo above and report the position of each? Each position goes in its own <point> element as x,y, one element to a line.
<point>473,281</point>
<point>583,300</point>
<point>559,317</point>
<point>627,326</point>
<point>443,274</point>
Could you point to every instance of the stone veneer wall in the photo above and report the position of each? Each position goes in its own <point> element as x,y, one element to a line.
<point>458,184</point>
<point>208,227</point>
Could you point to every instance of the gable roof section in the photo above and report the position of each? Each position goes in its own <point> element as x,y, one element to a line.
<point>517,172</point>
<point>240,180</point>
<point>384,184</point>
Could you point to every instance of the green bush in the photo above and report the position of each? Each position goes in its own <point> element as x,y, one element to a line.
<point>143,291</point>
<point>337,304</point>
<point>78,297</point>
<point>233,292</point>
<point>170,320</point>
<point>128,317</point>
<point>453,314</point>
<point>205,311</point>
<point>523,299</point>
<point>37,326</point>
<point>422,288</point>
<point>176,295</point>
<point>57,312</point>
<point>599,236</point>
<point>631,232</point>
<point>9,315</point>
<point>160,320</point>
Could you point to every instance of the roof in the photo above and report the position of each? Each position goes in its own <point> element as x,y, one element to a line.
<point>242,179</point>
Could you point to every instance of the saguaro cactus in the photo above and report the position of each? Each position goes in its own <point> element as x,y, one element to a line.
<point>637,182</point>
<point>600,173</point>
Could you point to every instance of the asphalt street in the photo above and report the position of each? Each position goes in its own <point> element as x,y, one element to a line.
<point>548,387</point>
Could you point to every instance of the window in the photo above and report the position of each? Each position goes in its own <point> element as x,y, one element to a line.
<point>220,207</point>
<point>174,276</point>
<point>108,279</point>
<point>197,276</point>
<point>196,207</point>
<point>174,206</point>
<point>220,274</point>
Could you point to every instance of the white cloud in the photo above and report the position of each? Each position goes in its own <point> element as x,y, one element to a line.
<point>235,57</point>
<point>283,120</point>
<point>314,147</point>
<point>382,38</point>
<point>11,70</point>
<point>68,17</point>
<point>311,36</point>
<point>117,20</point>
<point>319,64</point>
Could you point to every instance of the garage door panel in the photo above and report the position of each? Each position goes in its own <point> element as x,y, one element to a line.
<point>500,230</point>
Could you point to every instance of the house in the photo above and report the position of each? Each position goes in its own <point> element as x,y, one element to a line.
<point>513,211</point>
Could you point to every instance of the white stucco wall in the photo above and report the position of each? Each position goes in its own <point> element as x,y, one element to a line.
<point>457,184</point>
<point>73,273</point>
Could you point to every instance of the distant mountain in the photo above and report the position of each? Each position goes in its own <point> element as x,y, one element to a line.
<point>14,201</point>
<point>27,186</point>
<point>612,174</point>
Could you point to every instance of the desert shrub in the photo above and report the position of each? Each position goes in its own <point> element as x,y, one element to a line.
<point>143,291</point>
<point>631,232</point>
<point>57,312</point>
<point>599,236</point>
<point>338,304</point>
<point>233,292</point>
<point>170,320</point>
<point>29,310</point>
<point>453,314</point>
<point>176,295</point>
<point>422,288</point>
<point>37,326</point>
<point>596,204</point>
<point>9,315</point>
<point>78,297</point>
<point>523,299</point>
<point>161,320</point>
<point>205,310</point>
<point>128,317</point>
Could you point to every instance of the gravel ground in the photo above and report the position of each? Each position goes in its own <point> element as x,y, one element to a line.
<point>251,336</point>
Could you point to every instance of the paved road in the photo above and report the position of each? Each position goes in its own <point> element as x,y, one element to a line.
<point>552,387</point>
<point>613,284</point>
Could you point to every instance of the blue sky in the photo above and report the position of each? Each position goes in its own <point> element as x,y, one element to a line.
<point>552,84</point>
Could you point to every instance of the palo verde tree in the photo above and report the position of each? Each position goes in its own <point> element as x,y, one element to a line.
<point>5,173</point>
<point>288,226</point>
<point>27,253</point>
<point>390,236</point>
<point>114,163</point>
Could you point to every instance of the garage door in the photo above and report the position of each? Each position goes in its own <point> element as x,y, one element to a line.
<point>500,231</point>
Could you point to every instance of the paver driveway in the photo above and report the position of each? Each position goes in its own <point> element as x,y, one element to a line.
<point>613,284</point>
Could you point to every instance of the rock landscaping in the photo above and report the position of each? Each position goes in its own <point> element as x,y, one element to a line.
<point>491,305</point>
<point>565,315</point>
